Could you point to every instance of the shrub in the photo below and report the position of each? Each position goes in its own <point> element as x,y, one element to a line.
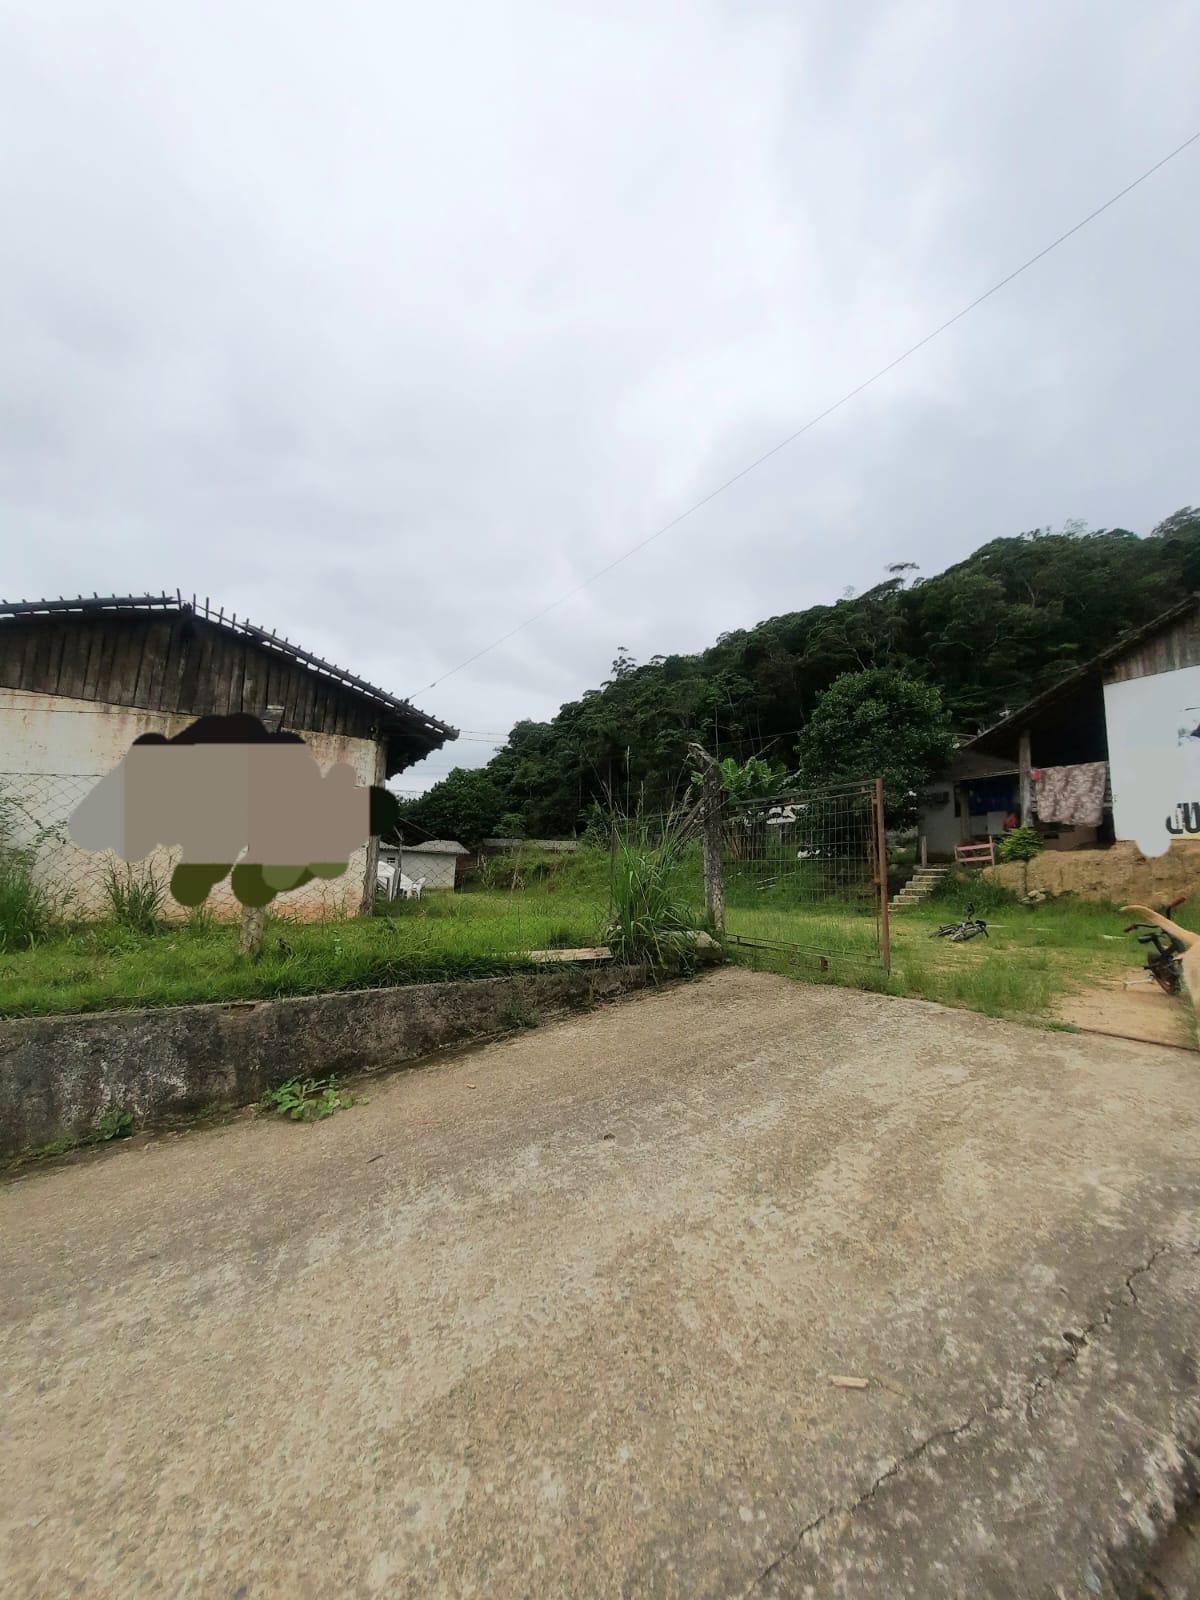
<point>1019,844</point>
<point>114,1124</point>
<point>957,890</point>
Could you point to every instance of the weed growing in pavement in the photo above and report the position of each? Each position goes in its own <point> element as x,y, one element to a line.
<point>307,1099</point>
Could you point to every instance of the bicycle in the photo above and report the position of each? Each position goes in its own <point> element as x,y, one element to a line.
<point>1163,961</point>
<point>959,932</point>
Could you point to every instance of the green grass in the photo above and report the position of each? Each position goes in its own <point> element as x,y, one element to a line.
<point>27,911</point>
<point>1035,955</point>
<point>99,966</point>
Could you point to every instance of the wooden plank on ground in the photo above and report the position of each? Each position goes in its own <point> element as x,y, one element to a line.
<point>598,952</point>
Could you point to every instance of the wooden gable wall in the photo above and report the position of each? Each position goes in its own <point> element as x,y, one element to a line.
<point>1174,647</point>
<point>176,663</point>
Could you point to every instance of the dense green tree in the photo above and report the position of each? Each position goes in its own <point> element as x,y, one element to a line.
<point>878,723</point>
<point>464,806</point>
<point>1009,621</point>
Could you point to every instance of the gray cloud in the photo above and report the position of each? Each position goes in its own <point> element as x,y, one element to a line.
<point>388,325</point>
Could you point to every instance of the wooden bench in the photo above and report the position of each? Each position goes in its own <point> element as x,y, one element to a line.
<point>975,855</point>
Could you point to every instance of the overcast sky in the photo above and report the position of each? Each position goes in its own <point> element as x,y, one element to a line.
<point>386,324</point>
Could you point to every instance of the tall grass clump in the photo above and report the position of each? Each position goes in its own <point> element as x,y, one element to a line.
<point>28,911</point>
<point>651,919</point>
<point>135,899</point>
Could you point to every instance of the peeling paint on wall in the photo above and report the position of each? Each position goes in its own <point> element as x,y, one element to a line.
<point>54,749</point>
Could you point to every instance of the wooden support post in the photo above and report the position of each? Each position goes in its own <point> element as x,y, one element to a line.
<point>714,888</point>
<point>924,851</point>
<point>367,905</point>
<point>254,920</point>
<point>885,930</point>
<point>1024,764</point>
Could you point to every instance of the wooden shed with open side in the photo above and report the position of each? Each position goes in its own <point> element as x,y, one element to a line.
<point>1130,715</point>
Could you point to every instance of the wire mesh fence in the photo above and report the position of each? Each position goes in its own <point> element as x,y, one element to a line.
<point>801,872</point>
<point>84,885</point>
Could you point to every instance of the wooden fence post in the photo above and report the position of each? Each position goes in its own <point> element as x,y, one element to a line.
<point>254,920</point>
<point>1024,765</point>
<point>366,906</point>
<point>714,887</point>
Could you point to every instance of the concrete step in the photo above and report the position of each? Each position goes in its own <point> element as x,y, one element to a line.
<point>922,884</point>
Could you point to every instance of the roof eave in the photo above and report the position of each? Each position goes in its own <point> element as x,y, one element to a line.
<point>408,722</point>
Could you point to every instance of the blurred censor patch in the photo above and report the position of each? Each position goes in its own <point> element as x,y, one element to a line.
<point>235,800</point>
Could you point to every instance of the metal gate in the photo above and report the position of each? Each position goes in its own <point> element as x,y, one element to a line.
<point>805,874</point>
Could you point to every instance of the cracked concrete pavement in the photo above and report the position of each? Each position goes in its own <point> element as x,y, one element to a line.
<point>559,1316</point>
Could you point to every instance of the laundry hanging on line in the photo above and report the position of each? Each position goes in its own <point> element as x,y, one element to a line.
<point>1072,795</point>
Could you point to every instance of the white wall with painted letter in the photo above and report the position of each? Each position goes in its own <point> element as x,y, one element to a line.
<point>1154,757</point>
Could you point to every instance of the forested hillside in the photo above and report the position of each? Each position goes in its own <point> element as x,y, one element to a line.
<point>1010,620</point>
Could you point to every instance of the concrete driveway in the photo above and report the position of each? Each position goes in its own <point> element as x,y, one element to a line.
<point>560,1317</point>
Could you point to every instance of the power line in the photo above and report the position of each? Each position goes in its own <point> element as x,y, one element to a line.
<point>812,422</point>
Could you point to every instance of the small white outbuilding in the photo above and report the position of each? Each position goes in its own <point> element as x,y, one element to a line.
<point>434,860</point>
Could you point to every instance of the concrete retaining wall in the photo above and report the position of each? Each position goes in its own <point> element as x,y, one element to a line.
<point>1121,874</point>
<point>59,1075</point>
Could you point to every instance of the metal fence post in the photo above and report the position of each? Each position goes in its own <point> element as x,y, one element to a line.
<point>885,934</point>
<point>714,887</point>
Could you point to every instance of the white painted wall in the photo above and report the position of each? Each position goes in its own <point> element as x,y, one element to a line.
<point>435,866</point>
<point>941,829</point>
<point>1154,757</point>
<point>52,749</point>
